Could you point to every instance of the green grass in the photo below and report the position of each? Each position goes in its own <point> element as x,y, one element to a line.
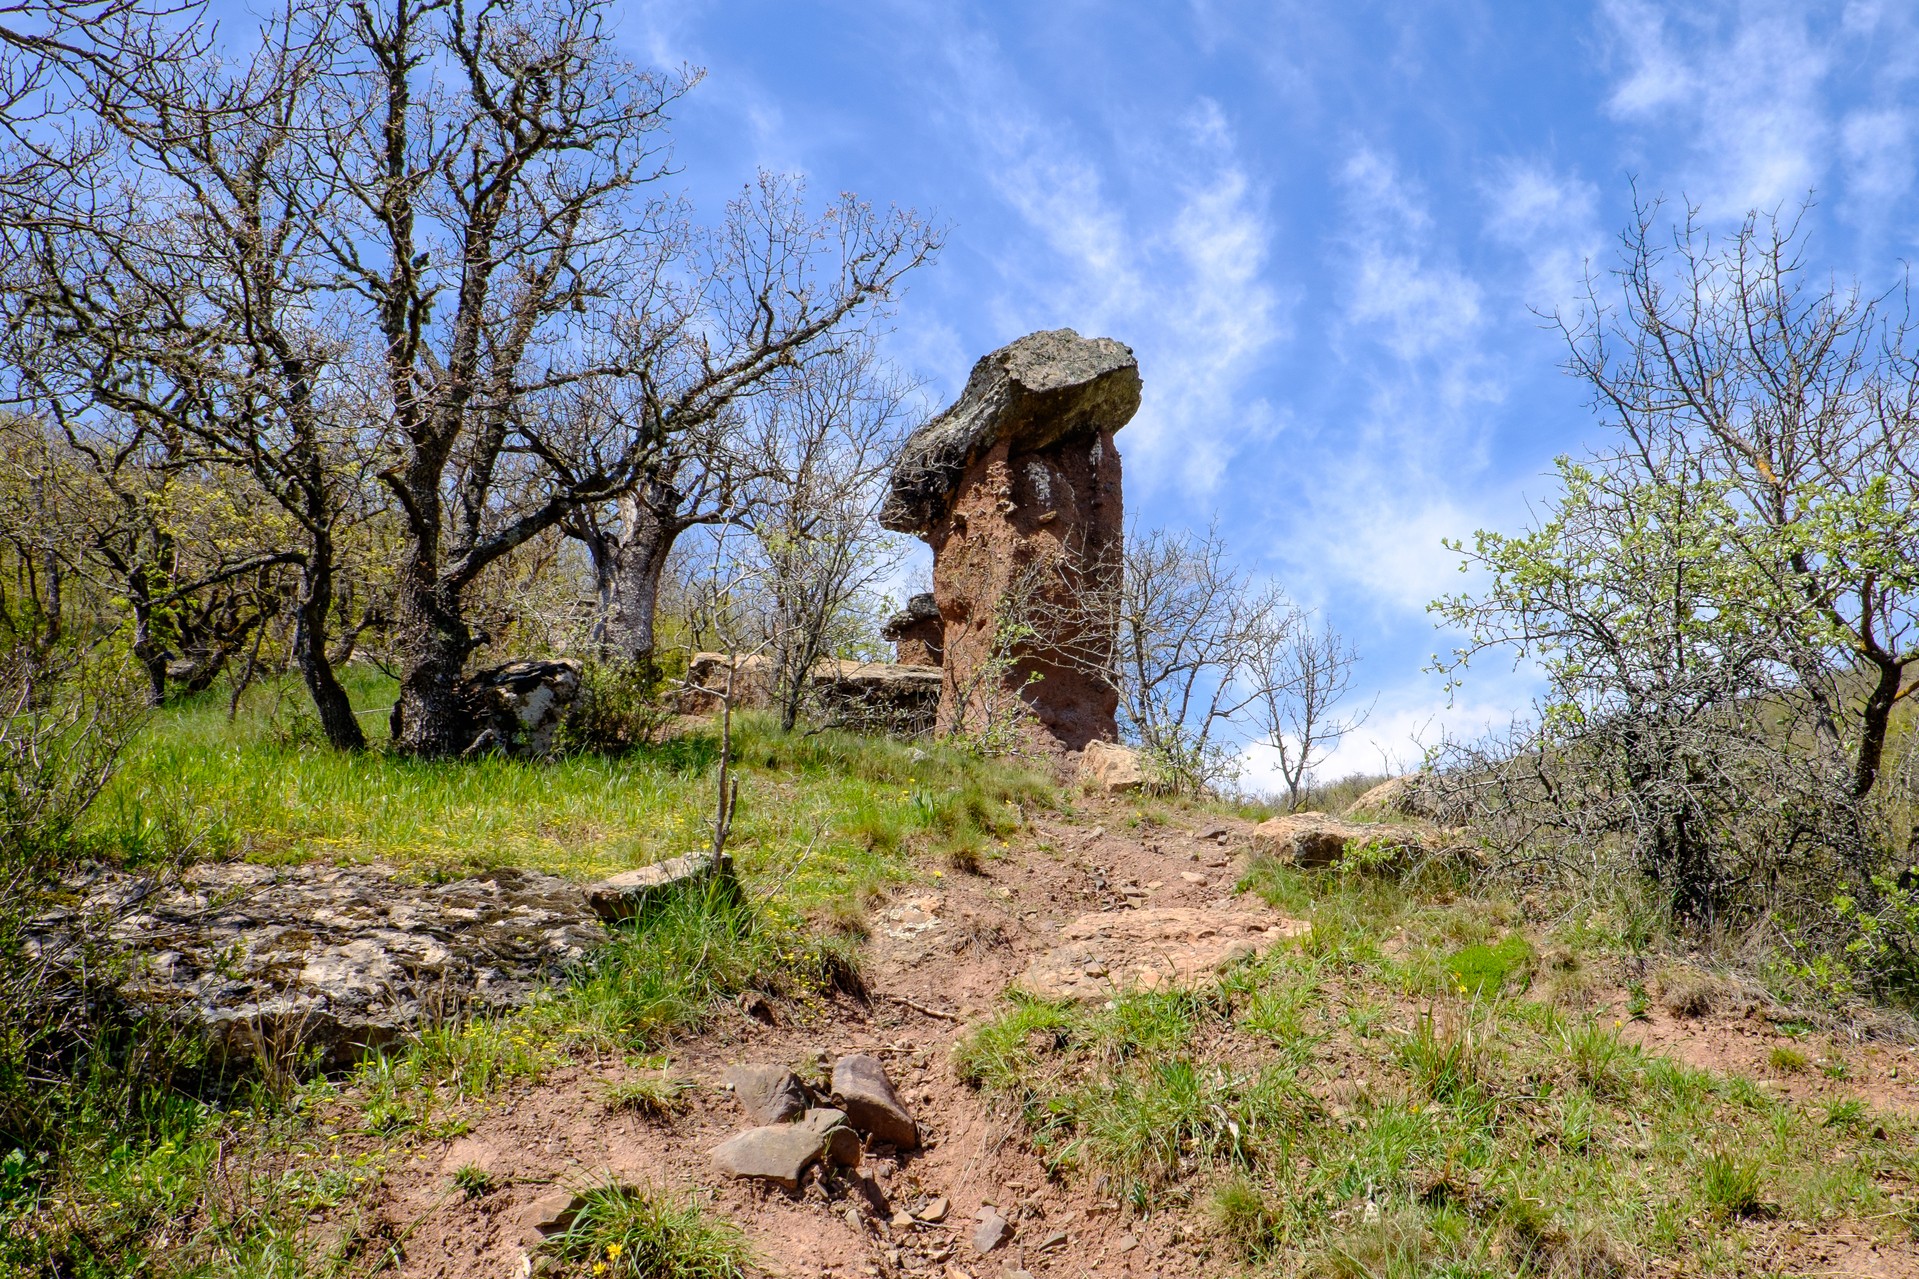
<point>831,812</point>
<point>1354,1108</point>
<point>149,1160</point>
<point>642,1233</point>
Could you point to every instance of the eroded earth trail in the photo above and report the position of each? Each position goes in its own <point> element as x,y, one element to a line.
<point>941,956</point>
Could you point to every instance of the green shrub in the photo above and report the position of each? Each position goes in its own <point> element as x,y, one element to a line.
<point>620,706</point>
<point>1488,970</point>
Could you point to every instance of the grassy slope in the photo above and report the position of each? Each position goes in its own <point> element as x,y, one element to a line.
<point>135,1174</point>
<point>1498,1128</point>
<point>828,813</point>
<point>1415,1091</point>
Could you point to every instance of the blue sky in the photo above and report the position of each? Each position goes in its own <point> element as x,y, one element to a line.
<point>1325,228</point>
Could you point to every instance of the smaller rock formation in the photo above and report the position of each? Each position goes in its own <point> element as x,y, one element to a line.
<point>628,894</point>
<point>863,1091</point>
<point>518,708</point>
<point>916,633</point>
<point>1112,769</point>
<point>1171,947</point>
<point>770,1094</point>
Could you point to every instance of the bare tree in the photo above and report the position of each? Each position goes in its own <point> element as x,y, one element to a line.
<point>162,299</point>
<point>394,238</point>
<point>825,439</point>
<point>1190,629</point>
<point>1301,675</point>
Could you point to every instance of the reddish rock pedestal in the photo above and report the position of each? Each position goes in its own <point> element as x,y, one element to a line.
<point>1016,487</point>
<point>917,634</point>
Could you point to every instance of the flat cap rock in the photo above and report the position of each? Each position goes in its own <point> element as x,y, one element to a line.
<point>1036,392</point>
<point>863,1091</point>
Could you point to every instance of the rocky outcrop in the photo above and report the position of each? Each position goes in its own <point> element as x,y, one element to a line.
<point>916,633</point>
<point>878,697</point>
<point>881,697</point>
<point>1112,952</point>
<point>327,960</point>
<point>518,708</point>
<point>707,681</point>
<point>1016,487</point>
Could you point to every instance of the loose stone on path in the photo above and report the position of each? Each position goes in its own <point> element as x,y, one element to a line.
<point>862,1089</point>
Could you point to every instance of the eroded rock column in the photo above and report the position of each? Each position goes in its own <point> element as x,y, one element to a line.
<point>1016,487</point>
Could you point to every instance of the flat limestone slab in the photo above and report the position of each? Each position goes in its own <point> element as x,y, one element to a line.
<point>1169,947</point>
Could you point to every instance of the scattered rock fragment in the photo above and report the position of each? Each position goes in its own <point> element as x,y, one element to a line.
<point>773,1152</point>
<point>991,1231</point>
<point>861,1088</point>
<point>551,1214</point>
<point>934,1210</point>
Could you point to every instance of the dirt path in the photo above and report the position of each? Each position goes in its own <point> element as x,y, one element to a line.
<point>940,956</point>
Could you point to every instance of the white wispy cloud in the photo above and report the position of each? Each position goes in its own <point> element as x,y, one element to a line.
<point>1766,95</point>
<point>1184,281</point>
<point>1551,220</point>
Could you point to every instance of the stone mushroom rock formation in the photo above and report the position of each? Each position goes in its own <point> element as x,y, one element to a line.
<point>917,636</point>
<point>1021,474</point>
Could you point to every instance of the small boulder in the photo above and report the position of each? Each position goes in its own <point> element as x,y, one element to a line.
<point>625,895</point>
<point>863,1091</point>
<point>770,1094</point>
<point>518,708</point>
<point>1413,795</point>
<point>1314,840</point>
<point>1109,767</point>
<point>774,1152</point>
